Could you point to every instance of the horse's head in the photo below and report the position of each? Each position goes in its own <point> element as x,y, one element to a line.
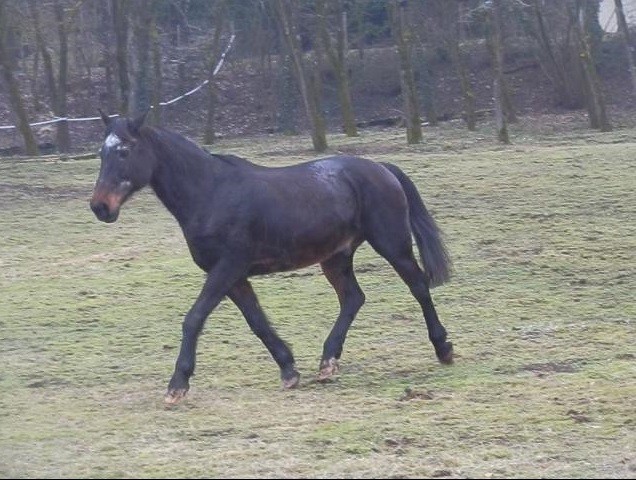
<point>127,165</point>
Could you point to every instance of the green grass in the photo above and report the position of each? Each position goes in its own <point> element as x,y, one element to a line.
<point>541,311</point>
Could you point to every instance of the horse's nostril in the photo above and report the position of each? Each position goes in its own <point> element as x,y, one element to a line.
<point>100,209</point>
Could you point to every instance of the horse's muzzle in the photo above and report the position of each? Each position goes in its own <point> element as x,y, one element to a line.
<point>105,206</point>
<point>103,213</point>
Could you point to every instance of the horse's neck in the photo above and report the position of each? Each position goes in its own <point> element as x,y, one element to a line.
<point>184,174</point>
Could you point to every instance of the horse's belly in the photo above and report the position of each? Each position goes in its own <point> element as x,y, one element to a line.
<point>299,254</point>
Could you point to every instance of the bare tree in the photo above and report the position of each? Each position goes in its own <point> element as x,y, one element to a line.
<point>17,104</point>
<point>496,46</point>
<point>214,50</point>
<point>286,11</point>
<point>287,97</point>
<point>35,73</point>
<point>448,13</point>
<point>402,36</point>
<point>58,87</point>
<point>105,35</point>
<point>580,13</point>
<point>494,20</point>
<point>181,35</point>
<point>553,30</point>
<point>142,21</point>
<point>426,41</point>
<point>337,55</point>
<point>157,74</point>
<point>120,22</point>
<point>80,32</point>
<point>63,135</point>
<point>629,48</point>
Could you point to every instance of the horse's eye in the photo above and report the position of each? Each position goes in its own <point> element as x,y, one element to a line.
<point>123,153</point>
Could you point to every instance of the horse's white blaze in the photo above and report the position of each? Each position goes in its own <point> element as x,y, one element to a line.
<point>112,140</point>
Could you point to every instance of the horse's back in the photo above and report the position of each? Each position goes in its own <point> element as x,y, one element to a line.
<point>382,203</point>
<point>375,185</point>
<point>367,177</point>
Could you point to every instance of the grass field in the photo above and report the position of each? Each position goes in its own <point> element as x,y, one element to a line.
<point>541,310</point>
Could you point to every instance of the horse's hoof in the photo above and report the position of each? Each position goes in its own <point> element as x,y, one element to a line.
<point>445,354</point>
<point>328,368</point>
<point>292,381</point>
<point>175,396</point>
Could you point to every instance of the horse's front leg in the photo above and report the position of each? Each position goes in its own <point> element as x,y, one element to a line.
<point>218,283</point>
<point>245,299</point>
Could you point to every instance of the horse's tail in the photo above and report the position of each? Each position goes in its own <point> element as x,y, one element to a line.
<point>428,236</point>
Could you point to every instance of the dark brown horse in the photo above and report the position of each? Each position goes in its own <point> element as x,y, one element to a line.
<point>240,219</point>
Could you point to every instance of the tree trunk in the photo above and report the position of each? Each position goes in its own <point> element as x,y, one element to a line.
<point>34,80</point>
<point>63,136</point>
<point>214,51</point>
<point>450,32</point>
<point>509,107</point>
<point>105,40</point>
<point>209,132</point>
<point>157,88</point>
<point>596,102</point>
<point>468,95</point>
<point>141,92</point>
<point>17,104</point>
<point>629,49</point>
<point>315,67</point>
<point>501,121</point>
<point>401,34</point>
<point>179,11</point>
<point>287,95</point>
<point>284,9</point>
<point>120,21</point>
<point>559,64</point>
<point>427,87</point>
<point>337,58</point>
<point>498,52</point>
<point>84,49</point>
<point>46,56</point>
<point>450,10</point>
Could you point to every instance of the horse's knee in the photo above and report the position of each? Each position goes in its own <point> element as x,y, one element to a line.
<point>190,328</point>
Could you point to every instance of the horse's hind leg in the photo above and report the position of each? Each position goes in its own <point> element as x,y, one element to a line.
<point>339,271</point>
<point>409,270</point>
<point>247,302</point>
<point>393,242</point>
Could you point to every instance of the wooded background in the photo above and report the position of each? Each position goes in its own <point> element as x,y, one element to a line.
<point>297,66</point>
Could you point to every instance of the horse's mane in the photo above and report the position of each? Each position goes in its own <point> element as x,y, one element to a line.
<point>174,144</point>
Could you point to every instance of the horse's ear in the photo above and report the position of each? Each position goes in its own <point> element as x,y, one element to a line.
<point>105,118</point>
<point>136,124</point>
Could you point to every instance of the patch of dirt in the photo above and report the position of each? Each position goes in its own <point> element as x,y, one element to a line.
<point>21,190</point>
<point>578,417</point>
<point>48,382</point>
<point>550,367</point>
<point>625,356</point>
<point>410,394</point>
